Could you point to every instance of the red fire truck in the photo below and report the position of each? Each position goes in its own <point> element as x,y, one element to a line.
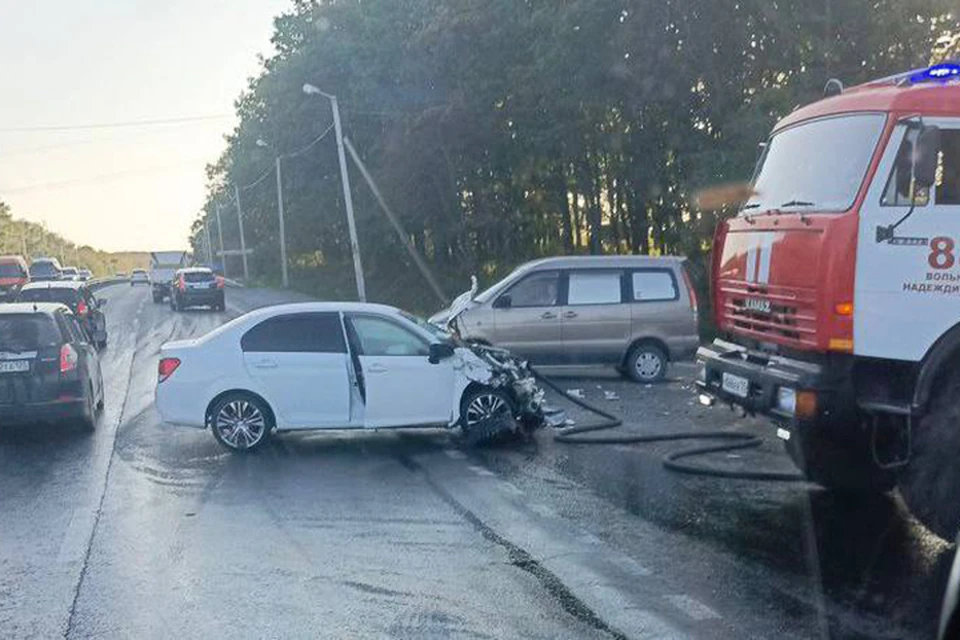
<point>836,290</point>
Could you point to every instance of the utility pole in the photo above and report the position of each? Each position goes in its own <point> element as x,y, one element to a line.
<point>23,238</point>
<point>283,240</point>
<point>243,244</point>
<point>223,258</point>
<point>309,89</point>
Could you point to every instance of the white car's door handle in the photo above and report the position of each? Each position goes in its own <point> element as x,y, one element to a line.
<point>376,368</point>
<point>265,364</point>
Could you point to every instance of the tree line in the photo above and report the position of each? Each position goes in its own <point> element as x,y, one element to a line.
<point>507,130</point>
<point>32,240</point>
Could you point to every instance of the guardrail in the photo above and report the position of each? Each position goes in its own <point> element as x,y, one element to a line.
<point>100,283</point>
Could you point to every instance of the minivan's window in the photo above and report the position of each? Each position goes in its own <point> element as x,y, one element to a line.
<point>380,337</point>
<point>27,332</point>
<point>536,290</point>
<point>818,165</point>
<point>296,333</point>
<point>652,285</point>
<point>601,287</point>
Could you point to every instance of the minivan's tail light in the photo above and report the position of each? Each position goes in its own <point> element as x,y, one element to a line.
<point>68,358</point>
<point>182,283</point>
<point>219,282</point>
<point>694,303</point>
<point>82,308</point>
<point>166,367</point>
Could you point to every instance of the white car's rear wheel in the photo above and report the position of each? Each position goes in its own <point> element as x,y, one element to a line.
<point>240,422</point>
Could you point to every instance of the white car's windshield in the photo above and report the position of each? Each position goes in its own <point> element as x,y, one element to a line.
<point>818,165</point>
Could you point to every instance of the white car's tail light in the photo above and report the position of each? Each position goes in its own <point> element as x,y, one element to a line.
<point>166,367</point>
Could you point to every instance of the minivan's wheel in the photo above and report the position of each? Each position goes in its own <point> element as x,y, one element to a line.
<point>647,363</point>
<point>240,422</point>
<point>486,413</point>
<point>930,483</point>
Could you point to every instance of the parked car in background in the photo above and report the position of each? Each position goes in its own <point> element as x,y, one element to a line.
<point>139,276</point>
<point>636,313</point>
<point>14,273</point>
<point>51,371</point>
<point>163,268</point>
<point>197,286</point>
<point>338,365</point>
<point>70,273</point>
<point>42,269</point>
<point>85,274</point>
<point>77,296</point>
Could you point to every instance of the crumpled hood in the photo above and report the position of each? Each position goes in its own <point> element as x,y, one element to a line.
<point>461,303</point>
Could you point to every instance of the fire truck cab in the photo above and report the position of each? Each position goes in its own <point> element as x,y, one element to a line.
<point>836,290</point>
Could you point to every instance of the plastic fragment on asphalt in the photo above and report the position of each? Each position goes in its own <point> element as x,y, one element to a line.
<point>576,393</point>
<point>611,395</point>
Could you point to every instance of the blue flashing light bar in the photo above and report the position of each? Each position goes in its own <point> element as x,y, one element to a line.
<point>938,73</point>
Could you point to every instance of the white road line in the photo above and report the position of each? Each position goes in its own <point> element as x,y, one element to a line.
<point>692,607</point>
<point>73,547</point>
<point>456,455</point>
<point>511,488</point>
<point>542,510</point>
<point>481,471</point>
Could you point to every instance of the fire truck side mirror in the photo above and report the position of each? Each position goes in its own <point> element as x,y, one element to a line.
<point>926,158</point>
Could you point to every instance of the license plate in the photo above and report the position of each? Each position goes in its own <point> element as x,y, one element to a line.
<point>758,304</point>
<point>736,385</point>
<point>14,366</point>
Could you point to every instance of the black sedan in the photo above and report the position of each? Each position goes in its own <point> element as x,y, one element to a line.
<point>196,286</point>
<point>49,371</point>
<point>76,295</point>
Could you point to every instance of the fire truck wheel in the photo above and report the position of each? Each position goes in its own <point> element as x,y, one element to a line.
<point>836,464</point>
<point>930,484</point>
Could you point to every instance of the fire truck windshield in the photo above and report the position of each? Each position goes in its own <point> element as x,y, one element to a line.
<point>817,165</point>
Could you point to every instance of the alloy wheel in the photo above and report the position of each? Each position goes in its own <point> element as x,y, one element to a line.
<point>240,424</point>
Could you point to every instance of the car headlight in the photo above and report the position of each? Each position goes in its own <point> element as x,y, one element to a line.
<point>787,400</point>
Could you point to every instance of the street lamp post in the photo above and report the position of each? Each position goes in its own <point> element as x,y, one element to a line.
<point>283,241</point>
<point>309,89</point>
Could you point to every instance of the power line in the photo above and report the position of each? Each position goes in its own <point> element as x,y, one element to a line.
<point>114,125</point>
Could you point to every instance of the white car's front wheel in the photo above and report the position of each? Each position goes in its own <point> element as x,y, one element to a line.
<point>486,413</point>
<point>240,422</point>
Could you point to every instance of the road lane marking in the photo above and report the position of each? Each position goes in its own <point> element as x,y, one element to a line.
<point>510,488</point>
<point>692,607</point>
<point>542,510</point>
<point>480,471</point>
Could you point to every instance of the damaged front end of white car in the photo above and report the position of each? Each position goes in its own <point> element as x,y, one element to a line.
<point>501,397</point>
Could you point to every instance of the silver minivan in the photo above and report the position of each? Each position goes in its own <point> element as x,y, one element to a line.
<point>636,313</point>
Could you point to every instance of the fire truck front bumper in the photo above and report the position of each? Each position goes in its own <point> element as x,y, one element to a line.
<point>789,391</point>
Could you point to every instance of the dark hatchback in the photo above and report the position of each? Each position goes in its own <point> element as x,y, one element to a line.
<point>196,286</point>
<point>76,295</point>
<point>49,371</point>
<point>45,269</point>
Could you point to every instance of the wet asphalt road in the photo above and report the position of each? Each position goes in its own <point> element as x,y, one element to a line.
<point>147,530</point>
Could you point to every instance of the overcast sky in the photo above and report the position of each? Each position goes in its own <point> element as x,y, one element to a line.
<point>106,62</point>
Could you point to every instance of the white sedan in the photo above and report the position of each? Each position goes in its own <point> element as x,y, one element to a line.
<point>327,365</point>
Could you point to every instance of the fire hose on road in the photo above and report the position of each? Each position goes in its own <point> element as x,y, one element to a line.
<point>730,441</point>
